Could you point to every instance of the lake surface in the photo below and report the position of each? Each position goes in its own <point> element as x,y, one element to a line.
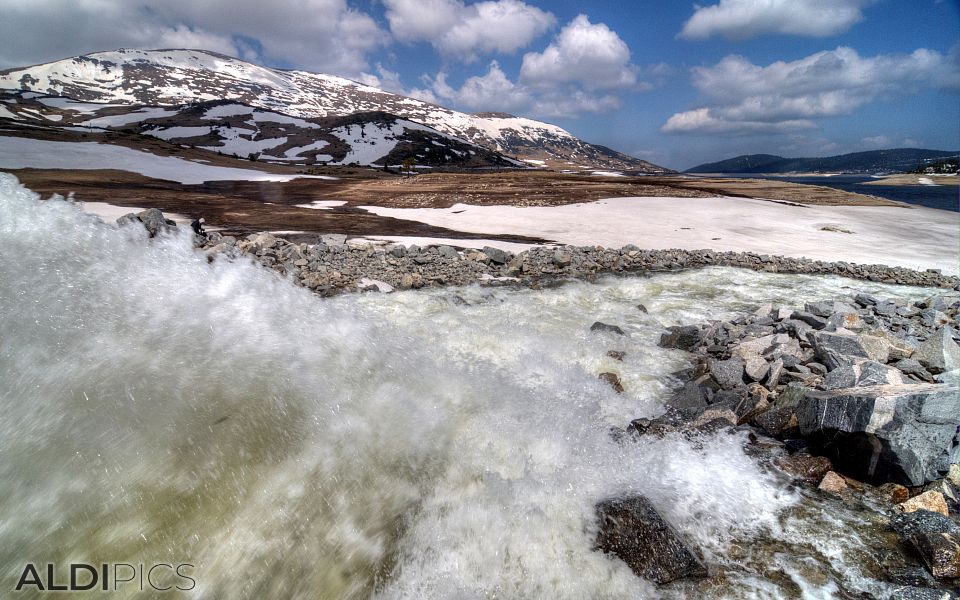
<point>944,197</point>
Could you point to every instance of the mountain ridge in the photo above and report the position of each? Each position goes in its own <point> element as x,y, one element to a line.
<point>176,77</point>
<point>869,161</point>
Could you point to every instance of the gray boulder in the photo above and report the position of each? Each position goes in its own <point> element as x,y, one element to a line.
<point>828,309</point>
<point>943,302</point>
<point>685,337</point>
<point>728,373</point>
<point>756,368</point>
<point>865,300</point>
<point>496,255</point>
<point>939,353</point>
<point>773,375</point>
<point>631,529</point>
<point>690,400</point>
<point>448,252</point>
<point>862,373</point>
<point>842,348</point>
<point>155,222</point>
<point>810,319</point>
<point>905,434</point>
<point>913,367</point>
<point>918,522</point>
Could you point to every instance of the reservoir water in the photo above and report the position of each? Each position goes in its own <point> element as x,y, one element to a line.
<point>944,197</point>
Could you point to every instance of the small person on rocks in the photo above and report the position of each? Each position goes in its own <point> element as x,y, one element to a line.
<point>197,225</point>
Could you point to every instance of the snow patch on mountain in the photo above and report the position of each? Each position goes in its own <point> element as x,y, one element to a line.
<point>176,77</point>
<point>25,153</point>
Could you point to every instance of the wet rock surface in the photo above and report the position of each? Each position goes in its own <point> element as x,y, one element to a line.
<point>631,529</point>
<point>857,398</point>
<point>881,402</point>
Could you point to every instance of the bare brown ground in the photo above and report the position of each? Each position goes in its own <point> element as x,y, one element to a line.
<point>247,206</point>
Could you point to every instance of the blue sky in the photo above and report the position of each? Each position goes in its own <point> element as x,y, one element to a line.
<point>667,81</point>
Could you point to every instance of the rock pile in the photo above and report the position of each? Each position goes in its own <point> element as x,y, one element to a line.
<point>869,383</point>
<point>858,398</point>
<point>333,265</point>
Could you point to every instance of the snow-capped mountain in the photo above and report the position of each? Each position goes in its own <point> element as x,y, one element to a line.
<point>243,131</point>
<point>177,77</point>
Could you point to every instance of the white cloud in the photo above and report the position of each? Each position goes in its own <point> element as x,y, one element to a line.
<point>323,35</point>
<point>703,120</point>
<point>490,92</point>
<point>590,54</point>
<point>572,76</point>
<point>468,31</point>
<point>786,95</point>
<point>741,19</point>
<point>495,92</point>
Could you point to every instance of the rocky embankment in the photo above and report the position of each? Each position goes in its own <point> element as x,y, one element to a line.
<point>335,264</point>
<point>857,398</point>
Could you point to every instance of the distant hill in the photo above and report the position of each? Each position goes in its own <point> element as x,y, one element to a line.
<point>873,161</point>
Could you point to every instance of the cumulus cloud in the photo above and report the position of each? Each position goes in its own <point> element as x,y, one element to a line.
<point>742,19</point>
<point>322,35</point>
<point>468,31</point>
<point>703,120</point>
<point>494,91</point>
<point>583,52</point>
<point>748,98</point>
<point>577,73</point>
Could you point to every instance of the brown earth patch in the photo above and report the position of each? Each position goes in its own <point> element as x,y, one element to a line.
<point>246,206</point>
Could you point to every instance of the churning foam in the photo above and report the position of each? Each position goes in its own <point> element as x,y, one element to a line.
<point>438,444</point>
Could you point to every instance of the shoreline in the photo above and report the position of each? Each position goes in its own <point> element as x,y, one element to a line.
<point>335,265</point>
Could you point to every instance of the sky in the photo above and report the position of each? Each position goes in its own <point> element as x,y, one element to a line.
<point>668,81</point>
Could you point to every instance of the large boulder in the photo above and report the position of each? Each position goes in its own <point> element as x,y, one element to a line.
<point>728,373</point>
<point>934,537</point>
<point>153,220</point>
<point>631,529</point>
<point>841,348</point>
<point>496,255</point>
<point>685,337</point>
<point>939,353</point>
<point>862,373</point>
<point>905,434</point>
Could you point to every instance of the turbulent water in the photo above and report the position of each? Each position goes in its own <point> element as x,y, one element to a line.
<point>431,444</point>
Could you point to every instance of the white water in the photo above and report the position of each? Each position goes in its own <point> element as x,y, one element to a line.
<point>160,408</point>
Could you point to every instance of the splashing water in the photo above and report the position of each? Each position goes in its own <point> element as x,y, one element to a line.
<point>432,444</point>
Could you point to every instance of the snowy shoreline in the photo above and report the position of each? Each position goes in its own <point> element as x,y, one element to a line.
<point>915,237</point>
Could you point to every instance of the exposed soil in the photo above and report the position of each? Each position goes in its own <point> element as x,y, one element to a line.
<point>247,206</point>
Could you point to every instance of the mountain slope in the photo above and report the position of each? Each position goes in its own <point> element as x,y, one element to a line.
<point>873,161</point>
<point>176,77</point>
<point>370,138</point>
